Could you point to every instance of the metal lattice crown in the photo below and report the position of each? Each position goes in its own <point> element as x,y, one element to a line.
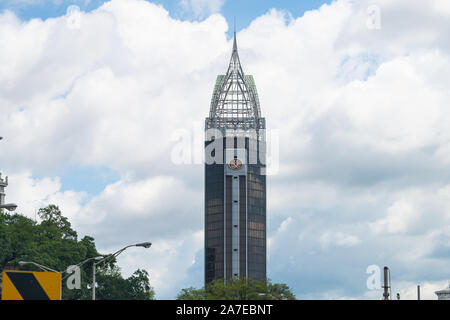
<point>235,98</point>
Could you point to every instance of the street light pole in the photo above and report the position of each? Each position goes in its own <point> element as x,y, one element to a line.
<point>83,262</point>
<point>9,206</point>
<point>111,256</point>
<point>47,269</point>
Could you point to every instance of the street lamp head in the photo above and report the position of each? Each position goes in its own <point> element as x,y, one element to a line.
<point>22,263</point>
<point>144,244</point>
<point>98,258</point>
<point>9,206</point>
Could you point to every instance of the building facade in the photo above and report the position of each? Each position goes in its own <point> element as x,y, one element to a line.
<point>235,180</point>
<point>3,185</point>
<point>443,294</point>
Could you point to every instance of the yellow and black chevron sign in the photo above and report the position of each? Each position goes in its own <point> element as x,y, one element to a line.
<point>31,285</point>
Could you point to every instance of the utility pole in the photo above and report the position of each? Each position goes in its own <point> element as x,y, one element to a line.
<point>418,292</point>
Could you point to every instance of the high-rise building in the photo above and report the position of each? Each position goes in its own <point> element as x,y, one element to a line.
<point>235,180</point>
<point>3,185</point>
<point>444,294</point>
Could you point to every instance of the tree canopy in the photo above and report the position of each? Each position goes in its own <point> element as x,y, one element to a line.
<point>53,243</point>
<point>238,289</point>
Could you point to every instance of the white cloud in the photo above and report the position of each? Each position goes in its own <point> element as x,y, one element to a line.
<point>399,216</point>
<point>158,207</point>
<point>31,194</point>
<point>362,116</point>
<point>415,211</point>
<point>330,239</point>
<point>125,213</point>
<point>167,263</point>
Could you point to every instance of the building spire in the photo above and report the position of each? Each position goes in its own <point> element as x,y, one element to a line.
<point>234,40</point>
<point>235,97</point>
<point>235,63</point>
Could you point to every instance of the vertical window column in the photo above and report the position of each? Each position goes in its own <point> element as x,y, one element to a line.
<point>235,226</point>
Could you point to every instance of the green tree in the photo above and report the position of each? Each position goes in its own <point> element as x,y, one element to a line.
<point>17,238</point>
<point>54,243</point>
<point>140,288</point>
<point>111,285</point>
<point>238,289</point>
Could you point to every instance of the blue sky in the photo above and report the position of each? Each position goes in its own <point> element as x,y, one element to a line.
<point>243,11</point>
<point>86,178</point>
